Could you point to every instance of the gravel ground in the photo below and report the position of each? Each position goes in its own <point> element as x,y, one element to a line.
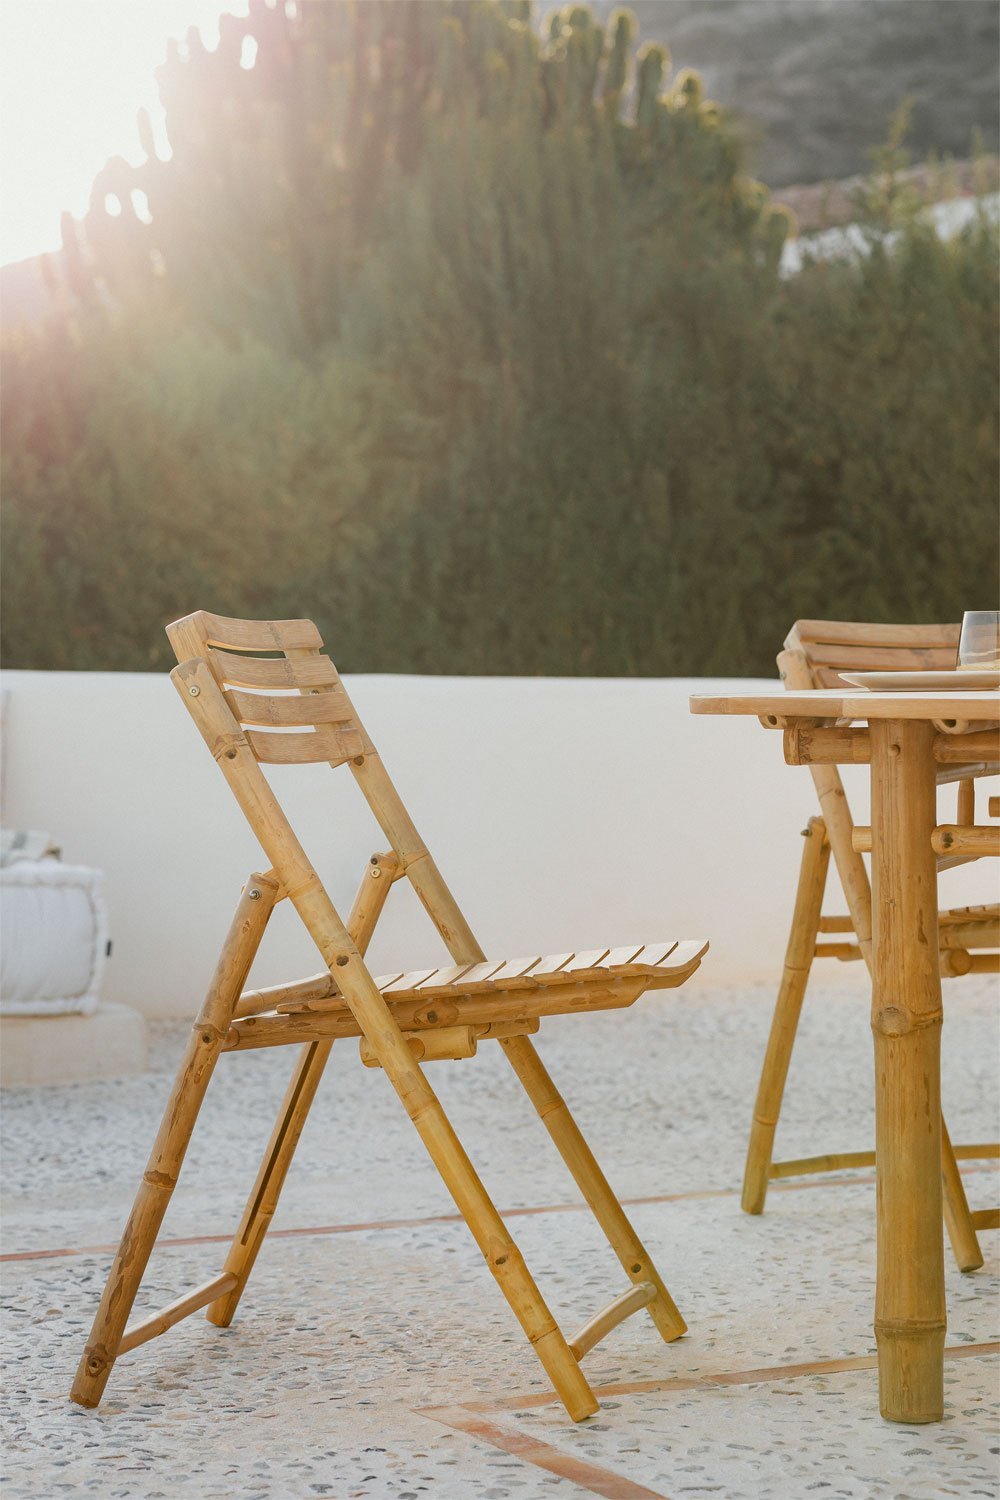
<point>372,1354</point>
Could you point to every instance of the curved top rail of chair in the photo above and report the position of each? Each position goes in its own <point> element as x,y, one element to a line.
<point>249,635</point>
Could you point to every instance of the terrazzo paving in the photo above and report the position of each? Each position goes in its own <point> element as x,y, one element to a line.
<point>373,1355</point>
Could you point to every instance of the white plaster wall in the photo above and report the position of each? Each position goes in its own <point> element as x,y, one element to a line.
<point>563,812</point>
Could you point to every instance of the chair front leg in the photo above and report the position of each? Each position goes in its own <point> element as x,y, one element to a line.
<point>163,1168</point>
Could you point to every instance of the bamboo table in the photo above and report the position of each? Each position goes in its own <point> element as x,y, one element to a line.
<point>908,736</point>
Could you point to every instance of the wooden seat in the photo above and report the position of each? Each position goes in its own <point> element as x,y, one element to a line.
<point>816,652</point>
<point>264,692</point>
<point>513,991</point>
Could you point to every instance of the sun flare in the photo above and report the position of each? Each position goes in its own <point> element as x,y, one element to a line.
<point>73,74</point>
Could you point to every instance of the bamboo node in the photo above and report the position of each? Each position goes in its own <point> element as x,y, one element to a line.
<point>227,745</point>
<point>908,1328</point>
<point>895,1022</point>
<point>159,1179</point>
<point>207,1033</point>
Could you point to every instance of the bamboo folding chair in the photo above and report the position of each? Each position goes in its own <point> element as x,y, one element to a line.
<point>264,692</point>
<point>815,654</point>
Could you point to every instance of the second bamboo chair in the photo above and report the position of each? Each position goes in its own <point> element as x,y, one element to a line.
<point>815,654</point>
<point>264,692</point>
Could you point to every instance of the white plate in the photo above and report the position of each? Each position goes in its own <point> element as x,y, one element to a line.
<point>913,682</point>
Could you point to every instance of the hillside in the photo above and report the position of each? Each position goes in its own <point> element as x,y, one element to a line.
<point>815,82</point>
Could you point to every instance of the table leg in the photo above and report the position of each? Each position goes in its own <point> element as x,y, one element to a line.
<point>906,1023</point>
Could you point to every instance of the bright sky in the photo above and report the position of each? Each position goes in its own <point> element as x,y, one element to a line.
<point>73,74</point>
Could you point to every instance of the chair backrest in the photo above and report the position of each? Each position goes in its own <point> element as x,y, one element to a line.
<point>823,649</point>
<point>263,691</point>
<point>293,686</point>
<point>815,654</point>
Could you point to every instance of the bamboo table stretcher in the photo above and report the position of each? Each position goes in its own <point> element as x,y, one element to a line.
<point>264,692</point>
<point>908,736</point>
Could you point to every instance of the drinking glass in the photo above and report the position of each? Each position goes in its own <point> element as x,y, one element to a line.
<point>979,643</point>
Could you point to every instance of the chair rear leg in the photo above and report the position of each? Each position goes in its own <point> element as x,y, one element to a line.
<point>162,1170</point>
<point>495,1241</point>
<point>957,1215</point>
<point>784,1024</point>
<point>587,1174</point>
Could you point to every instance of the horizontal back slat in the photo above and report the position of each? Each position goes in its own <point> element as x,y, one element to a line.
<point>293,712</point>
<point>884,658</point>
<point>325,744</point>
<point>273,672</point>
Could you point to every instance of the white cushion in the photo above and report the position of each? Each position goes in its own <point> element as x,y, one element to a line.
<point>54,938</point>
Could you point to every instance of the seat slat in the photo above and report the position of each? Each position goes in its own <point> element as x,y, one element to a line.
<point>273,671</point>
<point>514,968</point>
<point>584,961</point>
<point>332,707</point>
<point>443,978</point>
<point>409,981</point>
<point>478,977</point>
<point>681,956</point>
<point>655,953</point>
<point>620,957</point>
<point>325,744</point>
<point>445,984</point>
<point>549,970</point>
<point>970,913</point>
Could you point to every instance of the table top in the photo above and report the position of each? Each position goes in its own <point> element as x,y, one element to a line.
<point>855,703</point>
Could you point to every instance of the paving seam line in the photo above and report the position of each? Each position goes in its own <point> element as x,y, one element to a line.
<point>381,1225</point>
<point>479,1419</point>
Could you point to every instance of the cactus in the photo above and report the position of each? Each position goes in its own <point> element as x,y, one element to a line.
<point>282,175</point>
<point>652,64</point>
<point>621,29</point>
